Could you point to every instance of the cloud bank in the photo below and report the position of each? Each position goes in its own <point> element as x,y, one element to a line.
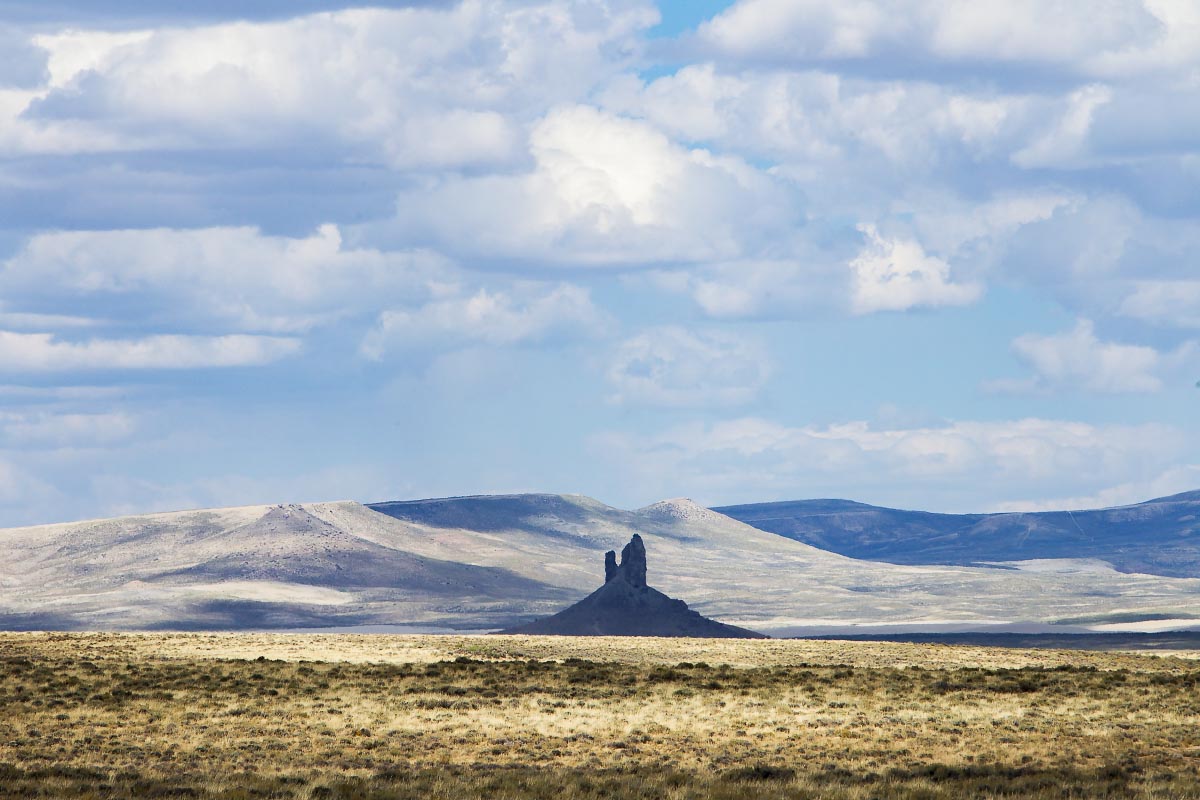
<point>726,259</point>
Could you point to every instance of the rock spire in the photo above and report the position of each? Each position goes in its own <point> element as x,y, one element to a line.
<point>633,563</point>
<point>626,606</point>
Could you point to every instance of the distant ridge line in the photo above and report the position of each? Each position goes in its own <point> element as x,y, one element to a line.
<point>1159,536</point>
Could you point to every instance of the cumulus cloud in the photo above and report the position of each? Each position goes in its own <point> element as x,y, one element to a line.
<point>893,274</point>
<point>893,152</point>
<point>964,465</point>
<point>230,278</point>
<point>808,29</point>
<point>675,367</point>
<point>1103,38</point>
<point>500,318</point>
<point>461,87</point>
<point>604,190</point>
<point>1079,360</point>
<point>43,352</point>
<point>817,120</point>
<point>171,179</point>
<point>417,88</point>
<point>925,81</point>
<point>239,279</point>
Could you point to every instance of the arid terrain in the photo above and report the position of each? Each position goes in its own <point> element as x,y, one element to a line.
<point>493,562</point>
<point>329,716</point>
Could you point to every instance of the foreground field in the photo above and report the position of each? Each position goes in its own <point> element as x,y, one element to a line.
<point>250,716</point>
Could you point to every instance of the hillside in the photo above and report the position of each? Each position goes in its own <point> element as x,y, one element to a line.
<point>502,561</point>
<point>1158,537</point>
<point>237,568</point>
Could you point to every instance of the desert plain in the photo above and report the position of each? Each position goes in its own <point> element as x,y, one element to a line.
<point>214,715</point>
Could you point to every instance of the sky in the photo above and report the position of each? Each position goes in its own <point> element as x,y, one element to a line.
<point>929,254</point>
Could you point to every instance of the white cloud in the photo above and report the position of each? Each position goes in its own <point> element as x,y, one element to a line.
<point>235,278</point>
<point>1171,48</point>
<point>1118,80</point>
<point>821,121</point>
<point>1064,144</point>
<point>1078,34</point>
<point>976,230</point>
<point>43,352</point>
<point>1078,360</point>
<point>417,88</point>
<point>1172,303</point>
<point>800,29</point>
<point>912,156</point>
<point>965,465</point>
<point>697,102</point>
<point>892,274</point>
<point>501,318</point>
<point>604,190</point>
<point>77,52</point>
<point>674,367</point>
<point>1102,38</point>
<point>895,272</point>
<point>241,279</point>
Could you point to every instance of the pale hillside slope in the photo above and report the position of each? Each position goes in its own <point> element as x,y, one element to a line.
<point>491,562</point>
<point>253,567</point>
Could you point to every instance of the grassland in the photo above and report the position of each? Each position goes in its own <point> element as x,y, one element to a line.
<point>331,717</point>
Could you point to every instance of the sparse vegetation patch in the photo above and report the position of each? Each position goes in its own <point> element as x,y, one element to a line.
<point>145,716</point>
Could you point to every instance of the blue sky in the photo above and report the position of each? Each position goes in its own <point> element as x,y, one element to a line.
<point>925,254</point>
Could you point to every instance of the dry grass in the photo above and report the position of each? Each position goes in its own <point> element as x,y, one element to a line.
<point>107,715</point>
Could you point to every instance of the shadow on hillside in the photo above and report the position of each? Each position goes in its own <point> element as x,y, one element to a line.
<point>39,621</point>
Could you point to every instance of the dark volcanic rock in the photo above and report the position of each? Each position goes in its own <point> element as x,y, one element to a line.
<point>633,563</point>
<point>626,606</point>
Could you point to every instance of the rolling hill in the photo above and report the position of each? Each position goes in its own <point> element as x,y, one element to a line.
<point>1158,537</point>
<point>501,561</point>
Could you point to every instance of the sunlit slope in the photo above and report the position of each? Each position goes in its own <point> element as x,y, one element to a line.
<point>259,566</point>
<point>492,562</point>
<point>1160,537</point>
